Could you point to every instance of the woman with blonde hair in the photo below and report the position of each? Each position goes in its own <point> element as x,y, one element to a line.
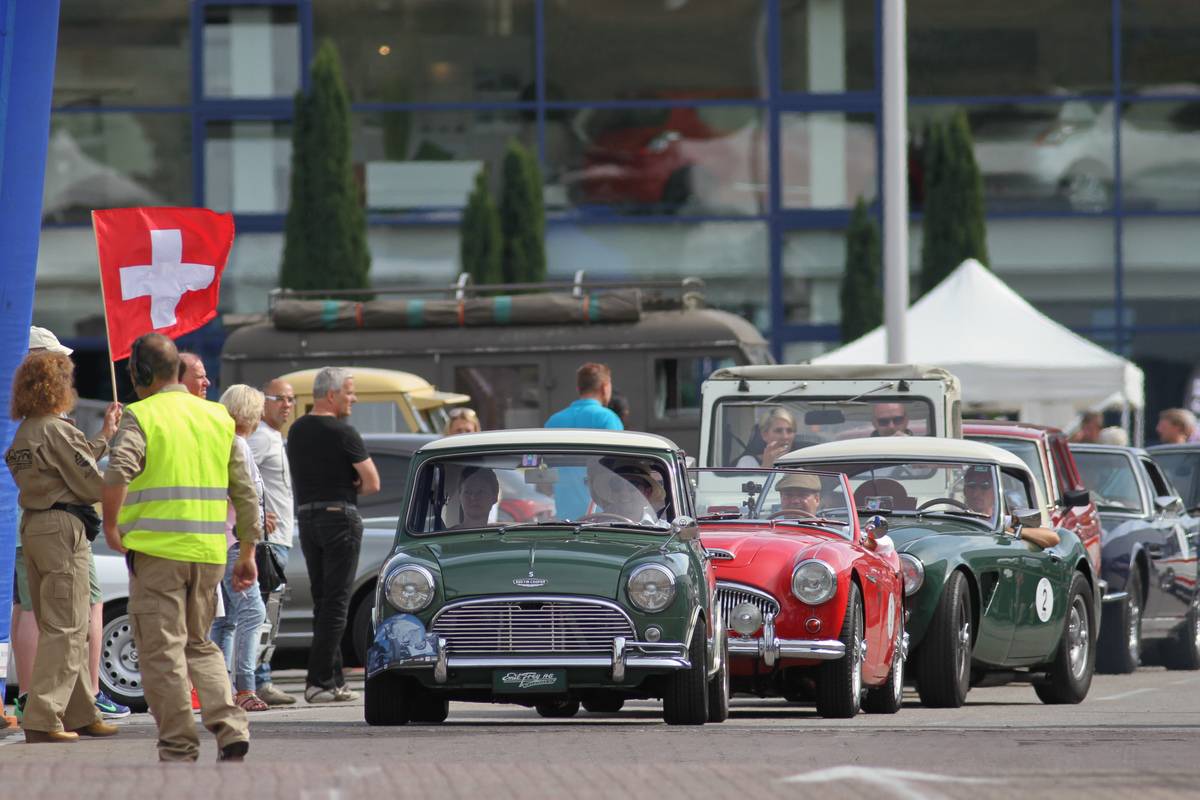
<point>237,632</point>
<point>462,420</point>
<point>54,467</point>
<point>777,430</point>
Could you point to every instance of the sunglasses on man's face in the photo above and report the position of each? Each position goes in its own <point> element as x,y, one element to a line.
<point>281,398</point>
<point>891,421</point>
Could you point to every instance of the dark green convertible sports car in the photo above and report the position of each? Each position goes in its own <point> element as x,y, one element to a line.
<point>984,603</point>
<point>606,594</point>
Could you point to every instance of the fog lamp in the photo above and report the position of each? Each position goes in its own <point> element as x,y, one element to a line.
<point>653,633</point>
<point>746,619</point>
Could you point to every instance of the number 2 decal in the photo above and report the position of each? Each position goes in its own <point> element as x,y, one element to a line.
<point>1044,603</point>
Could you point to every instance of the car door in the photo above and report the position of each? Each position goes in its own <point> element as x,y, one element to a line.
<point>1172,555</point>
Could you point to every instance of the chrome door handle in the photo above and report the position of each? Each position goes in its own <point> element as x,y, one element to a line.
<point>1055,556</point>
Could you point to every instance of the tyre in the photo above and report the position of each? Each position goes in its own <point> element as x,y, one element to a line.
<point>361,631</point>
<point>839,687</point>
<point>1070,674</point>
<point>120,675</point>
<point>887,698</point>
<point>1120,648</point>
<point>718,686</point>
<point>426,707</point>
<point>943,663</point>
<point>387,700</point>
<point>685,701</point>
<point>557,709</point>
<point>604,704</point>
<point>1182,650</point>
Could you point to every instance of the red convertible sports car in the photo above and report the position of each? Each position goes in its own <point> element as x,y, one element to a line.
<point>814,603</point>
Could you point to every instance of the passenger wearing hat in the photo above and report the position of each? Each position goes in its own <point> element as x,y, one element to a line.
<point>799,493</point>
<point>627,489</point>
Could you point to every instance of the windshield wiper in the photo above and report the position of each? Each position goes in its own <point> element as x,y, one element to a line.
<point>555,523</point>
<point>811,521</point>
<point>726,515</point>
<point>645,526</point>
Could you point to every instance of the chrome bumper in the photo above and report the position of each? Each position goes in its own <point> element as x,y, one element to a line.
<point>769,648</point>
<point>1114,597</point>
<point>625,654</point>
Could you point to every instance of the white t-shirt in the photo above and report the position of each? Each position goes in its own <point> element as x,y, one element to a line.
<point>270,456</point>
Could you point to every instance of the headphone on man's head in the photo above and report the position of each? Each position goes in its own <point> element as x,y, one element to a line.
<point>140,371</point>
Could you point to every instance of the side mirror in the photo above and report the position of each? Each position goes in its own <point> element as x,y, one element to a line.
<point>1073,498</point>
<point>686,529</point>
<point>1166,502</point>
<point>1027,517</point>
<point>824,416</point>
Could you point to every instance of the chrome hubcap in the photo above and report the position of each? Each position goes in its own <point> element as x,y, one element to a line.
<point>1078,638</point>
<point>1135,624</point>
<point>898,673</point>
<point>859,653</point>
<point>964,642</point>
<point>119,658</point>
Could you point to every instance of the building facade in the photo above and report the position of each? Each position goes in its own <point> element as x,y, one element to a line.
<point>726,139</point>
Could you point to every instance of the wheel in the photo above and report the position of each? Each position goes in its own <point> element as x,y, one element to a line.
<point>604,704</point>
<point>943,663</point>
<point>1182,650</point>
<point>426,707</point>
<point>557,709</point>
<point>839,687</point>
<point>1070,675</point>
<point>887,698</point>
<point>387,700</point>
<point>361,632</point>
<point>685,701</point>
<point>718,686</point>
<point>1120,648</point>
<point>120,675</point>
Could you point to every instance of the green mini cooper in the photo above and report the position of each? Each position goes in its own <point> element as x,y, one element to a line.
<point>601,593</point>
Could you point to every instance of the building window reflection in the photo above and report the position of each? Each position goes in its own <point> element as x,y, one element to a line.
<point>251,52</point>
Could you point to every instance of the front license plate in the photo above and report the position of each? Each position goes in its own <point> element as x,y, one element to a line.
<point>529,681</point>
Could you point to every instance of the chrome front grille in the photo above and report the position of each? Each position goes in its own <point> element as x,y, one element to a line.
<point>732,595</point>
<point>532,626</point>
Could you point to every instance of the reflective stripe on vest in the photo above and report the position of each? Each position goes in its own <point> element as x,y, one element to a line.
<point>176,508</point>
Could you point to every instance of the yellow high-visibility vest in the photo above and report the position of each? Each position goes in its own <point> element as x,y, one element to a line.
<point>176,508</point>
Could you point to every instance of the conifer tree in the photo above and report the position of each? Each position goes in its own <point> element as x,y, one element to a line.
<point>480,242</point>
<point>522,217</point>
<point>954,227</point>
<point>862,300</point>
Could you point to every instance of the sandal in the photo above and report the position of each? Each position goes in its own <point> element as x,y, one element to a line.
<point>249,701</point>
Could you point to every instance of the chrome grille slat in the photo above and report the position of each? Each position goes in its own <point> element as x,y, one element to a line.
<point>731,595</point>
<point>531,626</point>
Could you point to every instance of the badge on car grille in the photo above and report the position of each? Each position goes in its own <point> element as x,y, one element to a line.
<point>530,581</point>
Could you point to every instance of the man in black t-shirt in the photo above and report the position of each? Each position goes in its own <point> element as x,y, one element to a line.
<point>330,468</point>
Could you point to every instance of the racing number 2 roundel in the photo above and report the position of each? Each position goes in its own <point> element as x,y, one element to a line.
<point>1045,600</point>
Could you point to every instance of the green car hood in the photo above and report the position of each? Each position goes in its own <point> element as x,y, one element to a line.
<point>586,565</point>
<point>907,531</point>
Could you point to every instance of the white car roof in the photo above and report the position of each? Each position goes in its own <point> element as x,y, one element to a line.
<point>818,372</point>
<point>916,448</point>
<point>549,437</point>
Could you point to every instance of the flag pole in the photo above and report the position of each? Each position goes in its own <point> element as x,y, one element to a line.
<point>112,367</point>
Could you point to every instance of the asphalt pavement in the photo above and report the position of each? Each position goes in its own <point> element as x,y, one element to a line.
<point>1134,734</point>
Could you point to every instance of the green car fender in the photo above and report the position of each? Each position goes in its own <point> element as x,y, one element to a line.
<point>677,620</point>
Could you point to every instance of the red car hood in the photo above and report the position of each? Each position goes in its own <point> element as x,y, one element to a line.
<point>758,547</point>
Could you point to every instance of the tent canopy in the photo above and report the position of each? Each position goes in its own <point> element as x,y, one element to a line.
<point>1007,354</point>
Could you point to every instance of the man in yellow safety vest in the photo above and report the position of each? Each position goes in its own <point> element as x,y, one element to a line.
<point>172,470</point>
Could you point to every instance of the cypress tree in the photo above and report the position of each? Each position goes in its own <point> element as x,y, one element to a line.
<point>325,245</point>
<point>862,301</point>
<point>954,222</point>
<point>480,243</point>
<point>522,217</point>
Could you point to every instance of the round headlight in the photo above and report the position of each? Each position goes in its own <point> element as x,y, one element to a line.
<point>813,582</point>
<point>651,588</point>
<point>745,619</point>
<point>409,588</point>
<point>914,573</point>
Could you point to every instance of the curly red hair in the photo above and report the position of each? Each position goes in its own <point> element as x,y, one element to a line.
<point>44,384</point>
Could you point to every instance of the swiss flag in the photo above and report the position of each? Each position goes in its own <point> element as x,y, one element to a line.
<point>160,270</point>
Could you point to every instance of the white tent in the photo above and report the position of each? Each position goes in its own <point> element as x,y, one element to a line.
<point>1007,354</point>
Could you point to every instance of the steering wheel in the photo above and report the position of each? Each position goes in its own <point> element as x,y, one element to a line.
<point>939,500</point>
<point>604,516</point>
<point>790,512</point>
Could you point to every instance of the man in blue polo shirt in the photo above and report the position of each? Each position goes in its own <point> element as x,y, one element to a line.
<point>594,382</point>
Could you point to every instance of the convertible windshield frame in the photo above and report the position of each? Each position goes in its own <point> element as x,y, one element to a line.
<point>749,505</point>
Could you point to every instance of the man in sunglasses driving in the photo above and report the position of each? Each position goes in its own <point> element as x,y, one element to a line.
<point>890,419</point>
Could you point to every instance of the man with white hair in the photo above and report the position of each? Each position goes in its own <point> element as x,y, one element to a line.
<point>330,468</point>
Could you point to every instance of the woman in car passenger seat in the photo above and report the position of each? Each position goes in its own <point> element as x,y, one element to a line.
<point>778,433</point>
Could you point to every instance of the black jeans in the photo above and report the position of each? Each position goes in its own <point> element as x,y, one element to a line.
<point>330,541</point>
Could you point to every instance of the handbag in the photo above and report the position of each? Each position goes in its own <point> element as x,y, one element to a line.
<point>85,514</point>
<point>270,571</point>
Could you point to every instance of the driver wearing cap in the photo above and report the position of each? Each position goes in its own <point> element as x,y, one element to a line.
<point>627,489</point>
<point>799,493</point>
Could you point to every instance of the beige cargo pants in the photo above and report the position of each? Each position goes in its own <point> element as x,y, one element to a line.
<point>57,560</point>
<point>172,604</point>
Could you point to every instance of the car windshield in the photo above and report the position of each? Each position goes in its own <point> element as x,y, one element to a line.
<point>752,434</point>
<point>1181,470</point>
<point>540,488</point>
<point>910,487</point>
<point>1023,449</point>
<point>783,496</point>
<point>1111,479</point>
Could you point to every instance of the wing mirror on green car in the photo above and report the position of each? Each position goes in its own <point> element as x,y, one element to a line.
<point>685,528</point>
<point>1027,517</point>
<point>1073,498</point>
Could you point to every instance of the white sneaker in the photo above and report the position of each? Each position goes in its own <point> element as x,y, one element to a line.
<point>315,694</point>
<point>344,693</point>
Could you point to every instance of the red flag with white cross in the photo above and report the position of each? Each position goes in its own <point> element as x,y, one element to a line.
<point>160,270</point>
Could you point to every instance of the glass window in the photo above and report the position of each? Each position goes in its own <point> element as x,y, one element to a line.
<point>431,51</point>
<point>1161,271</point>
<point>412,255</point>
<point>731,258</point>
<point>116,159</point>
<point>786,498</point>
<point>1160,156</point>
<point>122,53</point>
<point>1182,471</point>
<point>813,265</point>
<point>684,160</point>
<point>429,159</point>
<point>252,272</point>
<point>1032,156</point>
<point>827,45</point>
<point>621,49</point>
<point>1023,449</point>
<point>251,51</point>
<point>504,397</point>
<point>1160,44</point>
<point>828,159</point>
<point>677,383</point>
<point>247,166</point>
<point>1018,47</point>
<point>1111,479</point>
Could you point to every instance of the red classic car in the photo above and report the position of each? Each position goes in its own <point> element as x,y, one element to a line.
<point>1044,450</point>
<point>813,602</point>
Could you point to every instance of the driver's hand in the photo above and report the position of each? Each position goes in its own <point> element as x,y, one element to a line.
<point>773,451</point>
